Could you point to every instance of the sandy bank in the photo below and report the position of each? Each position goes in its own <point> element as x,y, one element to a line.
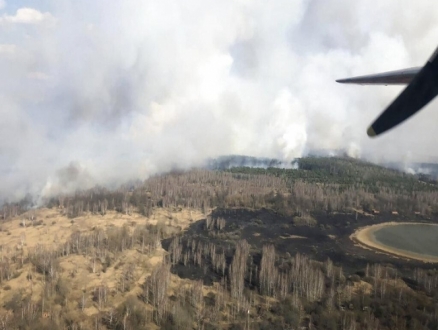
<point>365,237</point>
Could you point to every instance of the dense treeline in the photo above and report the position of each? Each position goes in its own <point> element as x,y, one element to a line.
<point>345,172</point>
<point>201,189</point>
<point>320,185</point>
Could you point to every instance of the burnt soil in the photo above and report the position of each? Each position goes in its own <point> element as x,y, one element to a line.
<point>328,239</point>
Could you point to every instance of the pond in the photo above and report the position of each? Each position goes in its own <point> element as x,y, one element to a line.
<point>418,239</point>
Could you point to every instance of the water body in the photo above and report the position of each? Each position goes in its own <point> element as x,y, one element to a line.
<point>413,238</point>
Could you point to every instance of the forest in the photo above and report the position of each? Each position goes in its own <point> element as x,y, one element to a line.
<point>222,247</point>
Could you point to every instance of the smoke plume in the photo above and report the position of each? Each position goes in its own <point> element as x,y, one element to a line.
<point>100,92</point>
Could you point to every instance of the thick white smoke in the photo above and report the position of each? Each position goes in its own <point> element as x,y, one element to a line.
<point>100,92</point>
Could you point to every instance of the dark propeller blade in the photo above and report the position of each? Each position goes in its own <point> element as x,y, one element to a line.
<point>422,89</point>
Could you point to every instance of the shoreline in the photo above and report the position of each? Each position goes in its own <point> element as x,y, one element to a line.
<point>364,237</point>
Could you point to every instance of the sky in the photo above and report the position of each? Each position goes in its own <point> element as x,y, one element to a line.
<point>101,92</point>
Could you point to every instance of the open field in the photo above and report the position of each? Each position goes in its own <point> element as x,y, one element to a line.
<point>365,237</point>
<point>44,231</point>
<point>50,226</point>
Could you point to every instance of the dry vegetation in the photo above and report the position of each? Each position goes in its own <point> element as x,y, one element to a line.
<point>55,270</point>
<point>94,260</point>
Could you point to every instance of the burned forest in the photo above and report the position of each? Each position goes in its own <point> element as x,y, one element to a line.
<point>223,247</point>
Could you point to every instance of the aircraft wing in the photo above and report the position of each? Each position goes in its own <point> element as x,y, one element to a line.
<point>422,88</point>
<point>399,77</point>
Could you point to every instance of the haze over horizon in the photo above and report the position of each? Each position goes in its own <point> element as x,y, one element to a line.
<point>105,92</point>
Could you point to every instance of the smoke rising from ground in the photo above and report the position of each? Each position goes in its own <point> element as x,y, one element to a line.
<point>104,92</point>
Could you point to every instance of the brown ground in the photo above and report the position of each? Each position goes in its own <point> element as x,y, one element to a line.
<point>18,237</point>
<point>365,238</point>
